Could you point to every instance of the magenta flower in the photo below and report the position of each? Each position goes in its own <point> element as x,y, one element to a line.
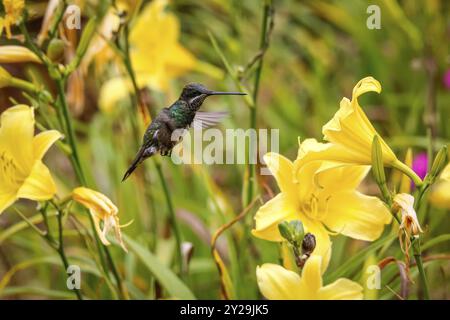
<point>420,164</point>
<point>446,79</point>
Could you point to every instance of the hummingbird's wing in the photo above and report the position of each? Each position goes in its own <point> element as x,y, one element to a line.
<point>203,120</point>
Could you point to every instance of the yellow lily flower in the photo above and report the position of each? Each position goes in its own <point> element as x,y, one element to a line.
<point>17,54</point>
<point>351,133</point>
<point>101,209</point>
<point>440,195</point>
<point>278,283</point>
<point>22,173</point>
<point>13,13</point>
<point>156,54</point>
<point>321,196</point>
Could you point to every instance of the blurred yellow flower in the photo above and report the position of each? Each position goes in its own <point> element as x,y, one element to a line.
<point>321,196</point>
<point>17,54</point>
<point>156,54</point>
<point>13,13</point>
<point>22,173</point>
<point>351,133</point>
<point>101,209</point>
<point>440,192</point>
<point>278,283</point>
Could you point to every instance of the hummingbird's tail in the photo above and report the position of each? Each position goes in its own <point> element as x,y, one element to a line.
<point>142,154</point>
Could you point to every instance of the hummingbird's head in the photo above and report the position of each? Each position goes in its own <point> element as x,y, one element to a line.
<point>196,93</point>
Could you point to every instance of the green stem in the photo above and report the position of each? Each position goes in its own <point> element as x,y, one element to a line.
<point>60,248</point>
<point>172,217</point>
<point>253,111</point>
<point>423,279</point>
<point>408,171</point>
<point>70,132</point>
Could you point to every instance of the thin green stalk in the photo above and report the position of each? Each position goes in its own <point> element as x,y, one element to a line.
<point>60,248</point>
<point>423,278</point>
<point>31,224</point>
<point>251,188</point>
<point>136,97</point>
<point>46,235</point>
<point>70,132</point>
<point>172,217</point>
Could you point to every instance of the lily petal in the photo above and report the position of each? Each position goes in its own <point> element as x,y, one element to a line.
<point>312,274</point>
<point>357,215</point>
<point>6,199</point>
<point>281,168</point>
<point>323,242</point>
<point>341,289</point>
<point>43,141</point>
<point>270,215</point>
<point>39,185</point>
<point>277,283</point>
<point>17,129</point>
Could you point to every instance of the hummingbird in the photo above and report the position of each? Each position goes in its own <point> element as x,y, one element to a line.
<point>182,114</point>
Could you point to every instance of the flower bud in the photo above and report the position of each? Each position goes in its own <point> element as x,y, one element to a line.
<point>439,163</point>
<point>285,232</point>
<point>55,50</point>
<point>308,244</point>
<point>378,168</point>
<point>88,33</point>
<point>297,231</point>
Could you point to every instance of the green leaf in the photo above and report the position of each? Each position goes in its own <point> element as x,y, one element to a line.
<point>37,291</point>
<point>435,241</point>
<point>353,263</point>
<point>21,225</point>
<point>164,275</point>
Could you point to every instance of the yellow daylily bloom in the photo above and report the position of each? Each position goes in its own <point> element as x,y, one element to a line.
<point>101,209</point>
<point>17,54</point>
<point>156,54</point>
<point>22,173</point>
<point>351,133</point>
<point>13,13</point>
<point>440,192</point>
<point>278,283</point>
<point>322,196</point>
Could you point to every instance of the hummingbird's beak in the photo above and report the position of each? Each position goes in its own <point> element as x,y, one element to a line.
<point>224,93</point>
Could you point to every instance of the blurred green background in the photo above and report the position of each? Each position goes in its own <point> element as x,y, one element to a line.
<point>318,51</point>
